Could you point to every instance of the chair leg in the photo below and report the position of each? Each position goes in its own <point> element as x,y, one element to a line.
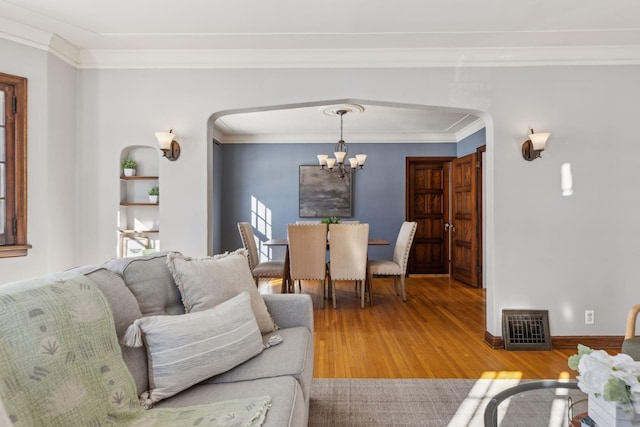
<point>404,294</point>
<point>299,286</point>
<point>362,286</point>
<point>323,291</point>
<point>395,283</point>
<point>333,292</point>
<point>256,279</point>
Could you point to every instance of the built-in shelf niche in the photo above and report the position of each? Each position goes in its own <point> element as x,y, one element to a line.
<point>137,217</point>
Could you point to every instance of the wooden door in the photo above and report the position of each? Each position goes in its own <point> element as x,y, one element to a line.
<point>464,221</point>
<point>428,205</point>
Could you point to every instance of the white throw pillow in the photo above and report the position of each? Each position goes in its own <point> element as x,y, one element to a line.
<point>208,281</point>
<point>184,350</point>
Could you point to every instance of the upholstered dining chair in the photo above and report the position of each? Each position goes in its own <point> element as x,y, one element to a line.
<point>348,244</point>
<point>270,269</point>
<point>398,266</point>
<point>308,254</point>
<point>631,343</point>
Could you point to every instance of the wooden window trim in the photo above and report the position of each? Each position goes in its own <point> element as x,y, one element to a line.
<point>20,247</point>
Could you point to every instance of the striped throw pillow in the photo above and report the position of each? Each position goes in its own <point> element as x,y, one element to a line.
<point>184,350</point>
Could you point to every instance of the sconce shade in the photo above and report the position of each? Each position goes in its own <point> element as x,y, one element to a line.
<point>164,140</point>
<point>169,147</point>
<point>533,146</point>
<point>539,140</point>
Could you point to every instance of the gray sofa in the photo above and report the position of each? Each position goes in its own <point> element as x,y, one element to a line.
<point>143,286</point>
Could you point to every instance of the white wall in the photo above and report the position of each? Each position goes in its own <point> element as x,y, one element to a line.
<point>51,165</point>
<point>544,251</point>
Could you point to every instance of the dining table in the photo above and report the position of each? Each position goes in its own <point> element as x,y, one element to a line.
<point>286,281</point>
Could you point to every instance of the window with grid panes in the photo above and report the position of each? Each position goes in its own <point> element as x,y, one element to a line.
<point>13,166</point>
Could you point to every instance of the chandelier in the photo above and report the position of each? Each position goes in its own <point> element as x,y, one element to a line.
<point>341,150</point>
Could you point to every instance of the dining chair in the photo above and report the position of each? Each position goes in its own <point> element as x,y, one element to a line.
<point>348,246</point>
<point>631,343</point>
<point>308,254</point>
<point>398,266</point>
<point>308,222</point>
<point>259,269</point>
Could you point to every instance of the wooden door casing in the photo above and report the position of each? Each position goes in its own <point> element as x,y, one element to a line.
<point>464,253</point>
<point>428,204</point>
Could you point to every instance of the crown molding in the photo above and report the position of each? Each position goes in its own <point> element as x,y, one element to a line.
<point>369,138</point>
<point>358,58</point>
<point>42,40</point>
<point>317,58</point>
<point>469,130</point>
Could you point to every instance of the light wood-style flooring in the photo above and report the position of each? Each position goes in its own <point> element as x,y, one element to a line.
<point>437,333</point>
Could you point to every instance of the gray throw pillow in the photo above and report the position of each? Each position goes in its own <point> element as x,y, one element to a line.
<point>208,281</point>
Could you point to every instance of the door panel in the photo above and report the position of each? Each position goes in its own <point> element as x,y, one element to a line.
<point>428,205</point>
<point>464,254</point>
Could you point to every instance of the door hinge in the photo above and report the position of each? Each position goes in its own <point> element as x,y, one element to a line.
<point>478,164</point>
<point>15,225</point>
<point>14,103</point>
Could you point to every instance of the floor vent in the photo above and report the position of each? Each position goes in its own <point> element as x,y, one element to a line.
<point>526,330</point>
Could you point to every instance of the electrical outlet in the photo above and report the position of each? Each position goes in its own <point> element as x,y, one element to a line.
<point>589,317</point>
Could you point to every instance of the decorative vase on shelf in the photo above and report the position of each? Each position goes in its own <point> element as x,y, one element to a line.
<point>611,414</point>
<point>153,199</point>
<point>129,172</point>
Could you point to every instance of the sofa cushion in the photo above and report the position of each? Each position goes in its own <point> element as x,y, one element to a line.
<point>150,280</point>
<point>287,409</point>
<point>291,357</point>
<point>125,310</point>
<point>186,349</point>
<point>208,281</point>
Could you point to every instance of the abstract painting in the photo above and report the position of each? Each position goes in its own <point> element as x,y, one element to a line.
<point>323,193</point>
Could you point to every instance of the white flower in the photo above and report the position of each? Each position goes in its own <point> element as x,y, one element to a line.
<point>597,368</point>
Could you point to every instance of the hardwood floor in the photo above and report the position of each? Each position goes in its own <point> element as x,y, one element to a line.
<point>437,333</point>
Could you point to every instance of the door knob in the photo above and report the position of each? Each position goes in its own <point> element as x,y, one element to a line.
<point>446,226</point>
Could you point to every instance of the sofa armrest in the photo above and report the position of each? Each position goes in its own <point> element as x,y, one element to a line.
<point>289,310</point>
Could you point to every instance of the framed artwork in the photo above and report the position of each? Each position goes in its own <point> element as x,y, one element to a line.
<point>134,246</point>
<point>323,193</point>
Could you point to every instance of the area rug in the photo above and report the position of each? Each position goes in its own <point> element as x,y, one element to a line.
<point>437,402</point>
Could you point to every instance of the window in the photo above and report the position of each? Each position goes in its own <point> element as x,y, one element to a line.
<point>13,166</point>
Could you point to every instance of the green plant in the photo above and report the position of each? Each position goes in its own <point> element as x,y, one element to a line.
<point>129,164</point>
<point>154,191</point>
<point>331,220</point>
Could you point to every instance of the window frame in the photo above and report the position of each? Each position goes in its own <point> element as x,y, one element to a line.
<point>16,165</point>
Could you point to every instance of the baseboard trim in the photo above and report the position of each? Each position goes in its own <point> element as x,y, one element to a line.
<point>593,341</point>
<point>493,341</point>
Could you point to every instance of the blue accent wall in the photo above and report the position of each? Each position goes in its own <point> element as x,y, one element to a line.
<point>268,173</point>
<point>470,143</point>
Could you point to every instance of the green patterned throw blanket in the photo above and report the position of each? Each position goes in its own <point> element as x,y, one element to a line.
<point>61,365</point>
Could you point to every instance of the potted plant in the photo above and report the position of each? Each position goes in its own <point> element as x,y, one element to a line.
<point>154,193</point>
<point>612,383</point>
<point>129,166</point>
<point>330,220</point>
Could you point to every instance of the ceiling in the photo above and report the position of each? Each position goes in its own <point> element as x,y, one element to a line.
<point>364,122</point>
<point>213,33</point>
<point>346,33</point>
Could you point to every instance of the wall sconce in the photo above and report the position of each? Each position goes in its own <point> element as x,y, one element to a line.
<point>533,146</point>
<point>169,147</point>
